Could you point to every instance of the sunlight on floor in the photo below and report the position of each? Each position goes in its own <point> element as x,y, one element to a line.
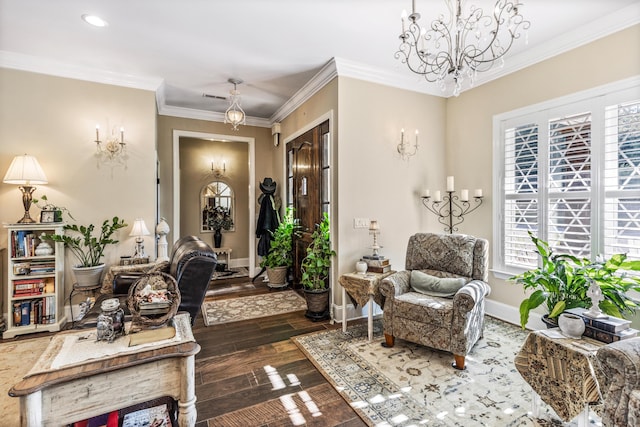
<point>287,400</point>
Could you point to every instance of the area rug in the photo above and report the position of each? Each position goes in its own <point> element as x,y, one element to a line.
<point>213,290</point>
<point>251,307</point>
<point>232,273</point>
<point>412,385</point>
<point>16,358</point>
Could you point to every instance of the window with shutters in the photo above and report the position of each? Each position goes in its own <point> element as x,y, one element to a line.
<point>569,171</point>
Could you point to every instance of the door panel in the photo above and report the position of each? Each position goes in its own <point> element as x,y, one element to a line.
<point>305,188</point>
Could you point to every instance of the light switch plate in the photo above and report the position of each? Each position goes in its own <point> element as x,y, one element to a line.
<point>360,222</point>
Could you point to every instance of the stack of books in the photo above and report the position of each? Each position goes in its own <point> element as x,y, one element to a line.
<point>607,330</point>
<point>377,263</point>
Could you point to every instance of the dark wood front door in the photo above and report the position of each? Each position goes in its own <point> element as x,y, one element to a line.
<point>306,168</point>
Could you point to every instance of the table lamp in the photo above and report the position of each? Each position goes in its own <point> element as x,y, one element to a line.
<point>25,171</point>
<point>139,229</point>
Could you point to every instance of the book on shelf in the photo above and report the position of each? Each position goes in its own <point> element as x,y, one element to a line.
<point>609,337</point>
<point>373,269</point>
<point>609,324</point>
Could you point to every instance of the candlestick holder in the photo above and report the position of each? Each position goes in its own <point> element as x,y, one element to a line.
<point>451,210</point>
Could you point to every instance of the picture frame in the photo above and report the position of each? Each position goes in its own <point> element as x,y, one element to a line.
<point>47,216</point>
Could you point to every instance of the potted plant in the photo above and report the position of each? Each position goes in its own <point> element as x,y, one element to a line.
<point>89,249</point>
<point>218,218</point>
<point>280,256</point>
<point>563,281</point>
<point>315,271</point>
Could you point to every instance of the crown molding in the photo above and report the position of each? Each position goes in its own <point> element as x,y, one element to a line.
<point>191,113</point>
<point>39,65</point>
<point>327,73</point>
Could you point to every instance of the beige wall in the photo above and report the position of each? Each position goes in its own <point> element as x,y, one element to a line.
<point>54,119</point>
<point>196,156</point>
<point>469,118</point>
<point>265,155</point>
<point>374,181</point>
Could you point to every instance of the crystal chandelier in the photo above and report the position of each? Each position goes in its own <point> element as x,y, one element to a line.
<point>461,45</point>
<point>235,114</point>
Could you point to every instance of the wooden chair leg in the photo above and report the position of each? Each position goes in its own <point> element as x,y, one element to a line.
<point>389,341</point>
<point>458,362</point>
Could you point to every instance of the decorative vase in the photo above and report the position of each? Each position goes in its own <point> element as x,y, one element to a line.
<point>317,304</point>
<point>572,326</point>
<point>88,277</point>
<point>44,248</point>
<point>217,238</point>
<point>361,267</point>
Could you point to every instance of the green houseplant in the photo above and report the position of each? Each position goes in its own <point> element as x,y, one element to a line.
<point>280,256</point>
<point>89,249</point>
<point>562,282</point>
<point>315,269</point>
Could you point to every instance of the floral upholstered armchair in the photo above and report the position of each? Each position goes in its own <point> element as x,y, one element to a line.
<point>620,366</point>
<point>438,301</point>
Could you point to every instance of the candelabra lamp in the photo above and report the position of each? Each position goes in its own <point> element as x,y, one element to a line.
<point>451,208</point>
<point>25,171</point>
<point>374,230</point>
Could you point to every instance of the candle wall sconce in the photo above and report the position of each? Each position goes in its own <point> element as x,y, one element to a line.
<point>113,150</point>
<point>450,208</point>
<point>404,148</point>
<point>218,170</point>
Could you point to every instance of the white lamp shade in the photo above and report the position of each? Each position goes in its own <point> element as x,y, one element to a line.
<point>25,170</point>
<point>139,228</point>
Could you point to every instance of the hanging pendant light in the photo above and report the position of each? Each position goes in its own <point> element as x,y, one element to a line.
<point>235,114</point>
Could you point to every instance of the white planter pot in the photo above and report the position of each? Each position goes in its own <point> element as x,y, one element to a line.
<point>572,326</point>
<point>88,277</point>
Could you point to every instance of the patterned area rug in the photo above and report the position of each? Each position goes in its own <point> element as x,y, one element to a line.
<point>252,307</point>
<point>16,358</point>
<point>411,385</point>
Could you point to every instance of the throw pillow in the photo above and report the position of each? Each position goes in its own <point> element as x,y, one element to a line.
<point>435,286</point>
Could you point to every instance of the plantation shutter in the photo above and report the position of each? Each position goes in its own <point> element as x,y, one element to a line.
<point>521,194</point>
<point>569,183</point>
<point>622,179</point>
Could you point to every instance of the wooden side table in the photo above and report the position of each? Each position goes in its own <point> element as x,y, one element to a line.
<point>363,288</point>
<point>562,372</point>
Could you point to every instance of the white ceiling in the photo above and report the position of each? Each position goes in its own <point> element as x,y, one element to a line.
<point>184,48</point>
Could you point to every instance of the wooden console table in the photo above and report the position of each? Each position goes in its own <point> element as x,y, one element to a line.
<point>363,288</point>
<point>562,372</point>
<point>79,392</point>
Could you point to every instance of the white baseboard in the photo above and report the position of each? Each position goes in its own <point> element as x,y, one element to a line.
<point>239,262</point>
<point>511,314</point>
<point>354,313</point>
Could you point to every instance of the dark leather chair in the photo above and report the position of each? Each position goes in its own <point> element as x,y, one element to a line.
<point>192,264</point>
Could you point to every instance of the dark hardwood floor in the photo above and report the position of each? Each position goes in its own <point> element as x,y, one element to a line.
<point>250,373</point>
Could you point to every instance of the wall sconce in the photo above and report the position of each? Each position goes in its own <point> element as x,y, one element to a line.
<point>25,171</point>
<point>275,131</point>
<point>451,209</point>
<point>114,149</point>
<point>138,231</point>
<point>404,149</point>
<point>217,170</point>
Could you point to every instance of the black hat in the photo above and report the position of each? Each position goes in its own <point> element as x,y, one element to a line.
<point>268,186</point>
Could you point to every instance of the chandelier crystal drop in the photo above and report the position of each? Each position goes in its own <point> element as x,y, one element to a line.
<point>235,114</point>
<point>455,48</point>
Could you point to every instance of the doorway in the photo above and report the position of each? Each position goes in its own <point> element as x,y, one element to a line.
<point>243,223</point>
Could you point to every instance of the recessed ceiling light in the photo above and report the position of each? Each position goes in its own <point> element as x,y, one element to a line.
<point>94,20</point>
